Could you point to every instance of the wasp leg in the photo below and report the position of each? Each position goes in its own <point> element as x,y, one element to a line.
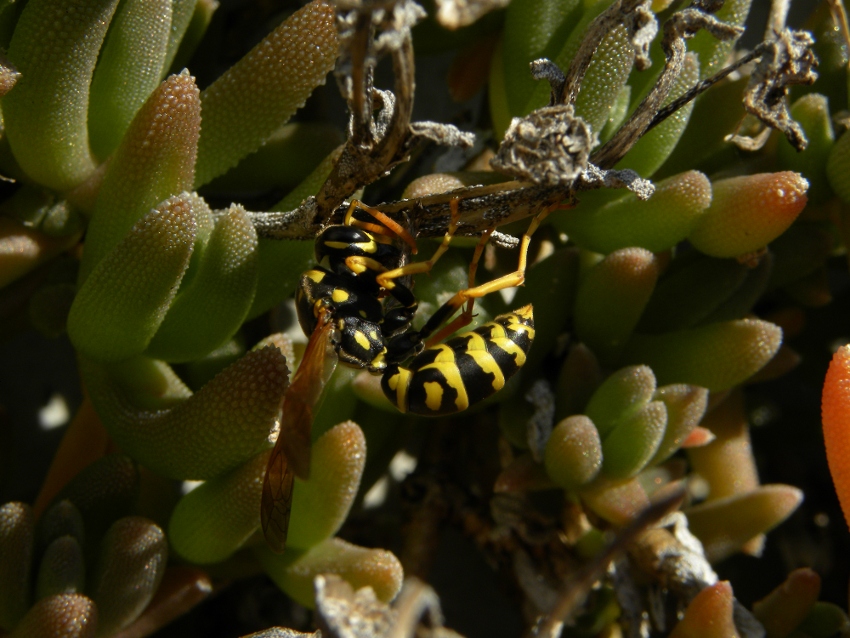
<point>516,278</point>
<point>377,229</point>
<point>385,279</point>
<point>465,318</point>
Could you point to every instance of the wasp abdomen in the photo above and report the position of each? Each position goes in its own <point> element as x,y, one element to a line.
<point>451,376</point>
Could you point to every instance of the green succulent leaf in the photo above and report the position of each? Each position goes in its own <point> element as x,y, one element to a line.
<point>628,448</point>
<point>739,304</point>
<point>182,14</point>
<point>23,249</point>
<point>217,517</point>
<point>66,615</point>
<point>825,620</point>
<point>657,224</point>
<point>16,553</point>
<point>654,147</point>
<point>799,252</point>
<point>132,561</point>
<point>620,396</point>
<point>812,113</point>
<point>578,379</point>
<point>281,262</point>
<point>533,30</point>
<point>154,417</point>
<point>62,569</point>
<point>121,305</point>
<point>693,286</point>
<point>63,518</point>
<point>573,454</point>
<point>605,77</point>
<point>787,606</point>
<point>551,284</point>
<point>717,356</point>
<point>206,313</point>
<point>321,504</point>
<point>686,406</point>
<point>128,70</point>
<point>611,298</point>
<point>725,525</point>
<point>616,501</point>
<point>713,53</point>
<point>258,94</point>
<point>101,493</point>
<point>155,161</point>
<point>55,47</point>
<point>294,572</point>
<point>838,168</point>
<point>727,463</point>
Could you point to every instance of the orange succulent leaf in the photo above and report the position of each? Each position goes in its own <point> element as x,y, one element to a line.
<point>709,615</point>
<point>835,414</point>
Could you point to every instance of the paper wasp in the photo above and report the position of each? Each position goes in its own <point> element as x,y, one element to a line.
<point>342,308</point>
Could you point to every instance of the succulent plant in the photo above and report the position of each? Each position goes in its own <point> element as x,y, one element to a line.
<point>685,211</point>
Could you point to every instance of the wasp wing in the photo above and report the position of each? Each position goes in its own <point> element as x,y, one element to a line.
<point>291,453</point>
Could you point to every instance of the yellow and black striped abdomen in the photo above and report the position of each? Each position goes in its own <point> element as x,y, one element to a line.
<point>452,376</point>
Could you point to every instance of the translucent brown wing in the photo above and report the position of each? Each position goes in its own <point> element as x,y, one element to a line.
<point>291,453</point>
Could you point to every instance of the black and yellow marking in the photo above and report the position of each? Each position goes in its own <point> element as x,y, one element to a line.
<point>451,376</point>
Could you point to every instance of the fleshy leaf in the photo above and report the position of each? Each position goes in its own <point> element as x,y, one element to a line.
<point>207,312</point>
<point>155,161</point>
<point>281,261</point>
<point>692,287</point>
<point>657,224</point>
<point>66,615</point>
<point>573,452</point>
<point>182,12</point>
<point>837,167</point>
<point>22,249</point>
<point>182,587</point>
<point>685,408</point>
<point>717,356</point>
<point>258,94</point>
<point>800,251</point>
<point>748,212</point>
<point>617,502</point>
<point>621,395</point>
<point>578,379</point>
<point>360,567</point>
<point>727,463</point>
<point>55,47</point>
<point>533,30</point>
<point>783,609</point>
<point>653,148</point>
<point>554,278</point>
<point>741,301</point>
<point>835,414</point>
<point>122,304</point>
<point>606,75</point>
<point>713,53</point>
<point>321,504</point>
<point>61,519</point>
<point>724,526</point>
<point>132,562</point>
<point>16,549</point>
<point>215,430</point>
<point>825,620</point>
<point>216,518</point>
<point>812,113</point>
<point>611,298</point>
<point>634,441</point>
<point>709,614</point>
<point>128,70</point>
<point>62,569</point>
<point>102,492</point>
